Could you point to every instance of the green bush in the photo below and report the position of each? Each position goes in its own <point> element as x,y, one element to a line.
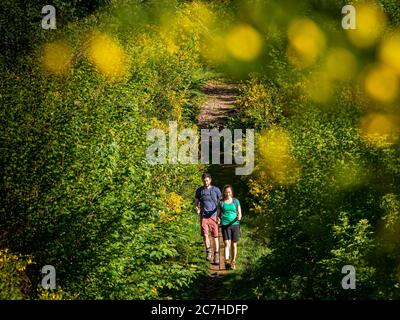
<point>14,283</point>
<point>78,191</point>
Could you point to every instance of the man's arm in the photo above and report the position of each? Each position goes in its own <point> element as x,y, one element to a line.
<point>197,205</point>
<point>197,201</point>
<point>219,194</point>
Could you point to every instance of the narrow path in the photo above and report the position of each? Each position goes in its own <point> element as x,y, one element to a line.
<point>220,105</point>
<point>214,113</point>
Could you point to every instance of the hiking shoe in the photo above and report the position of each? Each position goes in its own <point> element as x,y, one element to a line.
<point>208,255</point>
<point>233,265</point>
<point>216,258</point>
<point>227,265</point>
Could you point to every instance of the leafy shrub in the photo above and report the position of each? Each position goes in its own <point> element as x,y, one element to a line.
<point>14,283</point>
<point>258,105</point>
<point>78,191</point>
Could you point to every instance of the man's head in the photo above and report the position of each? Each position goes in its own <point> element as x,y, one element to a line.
<point>206,177</point>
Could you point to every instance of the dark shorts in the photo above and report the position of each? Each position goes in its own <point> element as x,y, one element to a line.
<point>231,232</point>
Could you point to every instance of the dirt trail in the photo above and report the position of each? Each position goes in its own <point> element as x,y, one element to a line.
<point>214,113</point>
<point>220,105</point>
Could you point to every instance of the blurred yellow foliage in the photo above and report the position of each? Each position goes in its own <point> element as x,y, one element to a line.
<point>275,156</point>
<point>390,51</point>
<point>214,49</point>
<point>186,27</point>
<point>379,129</point>
<point>200,14</point>
<point>177,100</point>
<point>381,83</point>
<point>56,57</point>
<point>108,56</point>
<point>340,64</point>
<point>319,88</point>
<point>172,48</point>
<point>244,42</point>
<point>370,23</point>
<point>306,42</point>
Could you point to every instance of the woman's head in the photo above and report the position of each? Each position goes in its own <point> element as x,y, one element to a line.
<point>227,192</point>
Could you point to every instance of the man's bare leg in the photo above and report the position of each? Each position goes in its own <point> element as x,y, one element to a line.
<point>207,244</point>
<point>216,250</point>
<point>206,240</point>
<point>216,245</point>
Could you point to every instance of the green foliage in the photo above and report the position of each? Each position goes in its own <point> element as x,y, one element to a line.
<point>353,245</point>
<point>14,283</point>
<point>325,220</point>
<point>258,105</point>
<point>20,24</point>
<point>78,193</point>
<point>342,209</point>
<point>77,190</point>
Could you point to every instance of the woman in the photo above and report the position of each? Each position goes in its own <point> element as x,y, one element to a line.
<point>229,213</point>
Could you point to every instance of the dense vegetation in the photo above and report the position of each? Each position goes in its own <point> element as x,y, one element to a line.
<point>326,184</point>
<point>77,190</point>
<point>78,193</point>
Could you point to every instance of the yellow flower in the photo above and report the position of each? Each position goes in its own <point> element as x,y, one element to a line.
<point>174,202</point>
<point>154,291</point>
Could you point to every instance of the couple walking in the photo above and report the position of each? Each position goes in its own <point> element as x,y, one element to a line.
<point>215,208</point>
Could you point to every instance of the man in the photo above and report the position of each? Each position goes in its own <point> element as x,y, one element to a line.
<point>207,199</point>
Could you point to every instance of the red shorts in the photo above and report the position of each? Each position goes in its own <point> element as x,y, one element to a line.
<point>209,223</point>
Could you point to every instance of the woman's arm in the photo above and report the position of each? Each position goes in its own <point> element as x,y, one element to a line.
<point>239,213</point>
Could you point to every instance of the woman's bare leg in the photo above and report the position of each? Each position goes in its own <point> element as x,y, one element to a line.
<point>234,250</point>
<point>227,249</point>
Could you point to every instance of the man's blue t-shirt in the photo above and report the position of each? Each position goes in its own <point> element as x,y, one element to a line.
<point>209,199</point>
